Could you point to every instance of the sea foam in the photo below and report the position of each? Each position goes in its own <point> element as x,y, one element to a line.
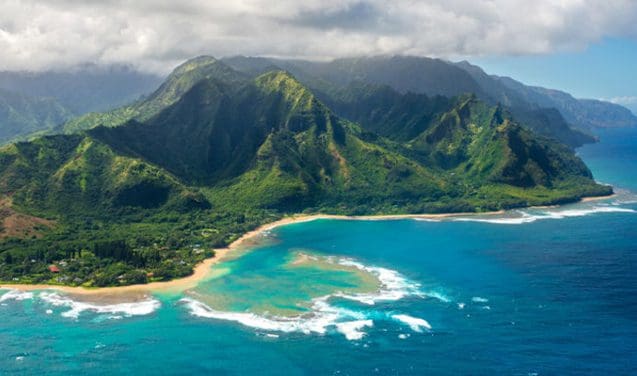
<point>16,295</point>
<point>352,329</point>
<point>324,316</point>
<point>522,217</point>
<point>479,299</point>
<point>394,286</point>
<point>416,324</point>
<point>140,308</point>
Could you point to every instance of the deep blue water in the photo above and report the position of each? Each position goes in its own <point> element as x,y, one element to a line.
<point>544,291</point>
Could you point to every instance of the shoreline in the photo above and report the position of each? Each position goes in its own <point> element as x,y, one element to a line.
<point>202,270</point>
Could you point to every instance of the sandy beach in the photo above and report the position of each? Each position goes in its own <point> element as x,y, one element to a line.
<point>597,198</point>
<point>202,270</point>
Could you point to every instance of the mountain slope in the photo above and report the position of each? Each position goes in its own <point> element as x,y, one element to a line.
<point>270,139</point>
<point>150,197</point>
<point>178,83</point>
<point>21,115</point>
<point>584,114</point>
<point>37,103</point>
<point>452,134</point>
<point>79,174</point>
<point>419,75</point>
<point>271,143</point>
<point>85,88</point>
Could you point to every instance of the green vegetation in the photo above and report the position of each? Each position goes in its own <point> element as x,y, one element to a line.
<point>21,115</point>
<point>180,81</point>
<point>213,154</point>
<point>546,112</point>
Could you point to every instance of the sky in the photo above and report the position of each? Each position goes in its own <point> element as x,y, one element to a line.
<point>604,70</point>
<point>587,47</point>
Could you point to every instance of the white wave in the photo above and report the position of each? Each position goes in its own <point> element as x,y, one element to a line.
<point>322,317</point>
<point>16,295</point>
<point>424,219</point>
<point>437,295</point>
<point>140,308</point>
<point>394,286</point>
<point>586,211</point>
<point>521,219</point>
<point>352,329</point>
<point>528,217</point>
<point>478,299</point>
<point>416,324</point>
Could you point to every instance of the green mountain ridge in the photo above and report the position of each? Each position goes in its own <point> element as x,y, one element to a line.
<point>176,84</point>
<point>213,153</point>
<point>432,77</point>
<point>33,104</point>
<point>21,115</point>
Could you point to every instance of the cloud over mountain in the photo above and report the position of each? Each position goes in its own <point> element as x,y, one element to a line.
<point>157,35</point>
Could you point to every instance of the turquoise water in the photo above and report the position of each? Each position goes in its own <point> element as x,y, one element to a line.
<point>542,291</point>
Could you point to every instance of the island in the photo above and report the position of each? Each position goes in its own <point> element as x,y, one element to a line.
<point>145,193</point>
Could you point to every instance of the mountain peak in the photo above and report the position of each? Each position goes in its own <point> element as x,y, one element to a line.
<point>194,63</point>
<point>288,86</point>
<point>279,80</point>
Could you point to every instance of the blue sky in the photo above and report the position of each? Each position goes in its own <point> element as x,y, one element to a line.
<point>607,69</point>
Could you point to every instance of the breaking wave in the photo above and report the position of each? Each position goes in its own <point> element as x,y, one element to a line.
<point>324,317</point>
<point>394,286</point>
<point>521,216</point>
<point>416,324</point>
<point>16,295</point>
<point>76,308</point>
<point>117,310</point>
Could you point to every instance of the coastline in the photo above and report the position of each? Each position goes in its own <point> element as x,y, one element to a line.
<point>202,270</point>
<point>597,198</point>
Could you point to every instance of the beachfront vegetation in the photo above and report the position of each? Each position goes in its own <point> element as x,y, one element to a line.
<point>147,191</point>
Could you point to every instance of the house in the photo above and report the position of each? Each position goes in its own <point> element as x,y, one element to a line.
<point>54,269</point>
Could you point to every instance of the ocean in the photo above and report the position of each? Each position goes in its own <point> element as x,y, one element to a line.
<point>530,292</point>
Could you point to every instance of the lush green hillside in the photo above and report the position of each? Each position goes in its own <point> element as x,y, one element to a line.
<point>21,115</point>
<point>421,75</point>
<point>83,88</point>
<point>212,154</point>
<point>33,104</point>
<point>182,79</point>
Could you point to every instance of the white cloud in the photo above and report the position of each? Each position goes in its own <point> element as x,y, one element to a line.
<point>625,100</point>
<point>156,35</point>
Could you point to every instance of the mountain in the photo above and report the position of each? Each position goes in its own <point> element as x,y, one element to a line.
<point>572,123</point>
<point>33,103</point>
<point>448,132</point>
<point>585,114</point>
<point>84,88</point>
<point>178,83</point>
<point>215,152</point>
<point>408,74</point>
<point>402,73</point>
<point>21,115</point>
<point>212,127</point>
